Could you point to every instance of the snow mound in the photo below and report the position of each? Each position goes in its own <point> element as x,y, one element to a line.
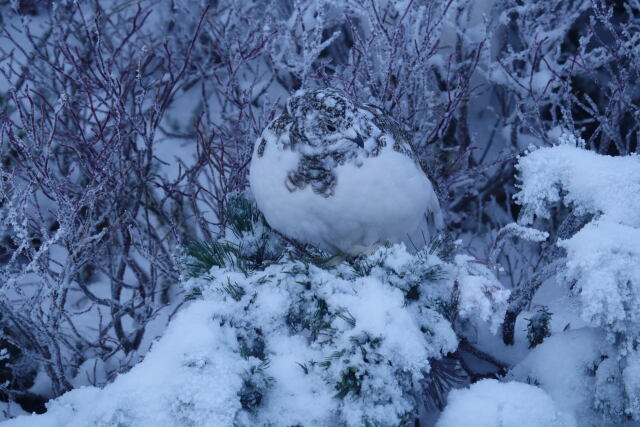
<point>191,377</point>
<point>564,366</point>
<point>295,342</point>
<point>490,403</point>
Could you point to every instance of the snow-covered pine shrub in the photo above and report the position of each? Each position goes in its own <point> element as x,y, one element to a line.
<point>275,337</point>
<point>599,265</point>
<point>367,338</point>
<point>603,258</point>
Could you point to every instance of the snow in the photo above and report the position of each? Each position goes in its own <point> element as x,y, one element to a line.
<point>191,376</point>
<point>293,342</point>
<point>480,295</point>
<point>631,379</point>
<point>559,366</point>
<point>603,258</point>
<point>296,397</point>
<point>377,311</point>
<point>589,182</point>
<point>523,232</point>
<point>490,403</point>
<point>584,376</point>
<point>598,365</point>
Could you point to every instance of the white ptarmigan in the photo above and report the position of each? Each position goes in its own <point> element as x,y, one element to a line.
<point>339,175</point>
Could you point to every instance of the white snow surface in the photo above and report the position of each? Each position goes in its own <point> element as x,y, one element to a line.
<point>560,366</point>
<point>490,403</point>
<point>585,377</point>
<point>190,377</point>
<point>197,372</point>
<point>591,183</point>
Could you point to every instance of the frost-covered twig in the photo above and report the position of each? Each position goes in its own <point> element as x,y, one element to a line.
<point>521,297</point>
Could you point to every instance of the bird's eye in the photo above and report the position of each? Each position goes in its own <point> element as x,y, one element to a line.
<point>331,128</point>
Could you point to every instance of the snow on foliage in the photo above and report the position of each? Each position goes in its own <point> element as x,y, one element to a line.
<point>631,380</point>
<point>583,179</point>
<point>603,258</point>
<point>598,368</point>
<point>480,295</point>
<point>490,403</point>
<point>278,338</point>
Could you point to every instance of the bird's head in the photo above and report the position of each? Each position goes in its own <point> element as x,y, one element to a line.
<point>323,117</point>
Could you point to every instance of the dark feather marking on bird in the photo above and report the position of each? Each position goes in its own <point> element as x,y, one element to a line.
<point>280,124</point>
<point>316,171</point>
<point>400,136</point>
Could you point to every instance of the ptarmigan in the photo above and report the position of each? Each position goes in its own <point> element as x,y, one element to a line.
<point>339,175</point>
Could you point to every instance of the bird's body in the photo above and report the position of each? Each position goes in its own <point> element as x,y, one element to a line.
<point>338,175</point>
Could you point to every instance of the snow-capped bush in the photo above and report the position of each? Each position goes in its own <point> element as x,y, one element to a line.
<point>363,337</point>
<point>603,258</point>
<point>599,267</point>
<point>279,339</point>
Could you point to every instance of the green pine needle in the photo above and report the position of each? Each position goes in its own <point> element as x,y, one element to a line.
<point>205,255</point>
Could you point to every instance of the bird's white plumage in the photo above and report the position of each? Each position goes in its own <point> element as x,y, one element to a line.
<point>344,188</point>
